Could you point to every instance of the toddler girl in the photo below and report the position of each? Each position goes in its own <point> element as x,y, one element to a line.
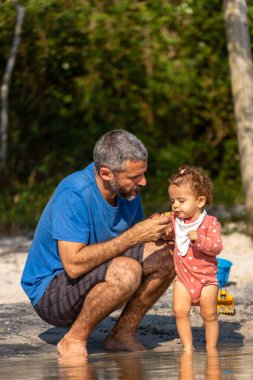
<point>197,242</point>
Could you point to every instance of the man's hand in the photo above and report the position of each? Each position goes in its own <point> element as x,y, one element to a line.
<point>169,233</point>
<point>78,258</point>
<point>151,229</point>
<point>193,235</point>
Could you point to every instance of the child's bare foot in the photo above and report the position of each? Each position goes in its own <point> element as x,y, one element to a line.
<point>188,349</point>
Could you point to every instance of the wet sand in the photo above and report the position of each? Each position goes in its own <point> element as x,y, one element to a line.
<point>23,333</point>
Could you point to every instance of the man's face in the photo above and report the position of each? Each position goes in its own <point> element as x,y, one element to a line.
<point>127,184</point>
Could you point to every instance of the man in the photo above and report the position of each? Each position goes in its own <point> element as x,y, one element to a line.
<point>92,254</point>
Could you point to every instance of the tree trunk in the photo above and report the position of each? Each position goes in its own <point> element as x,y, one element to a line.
<point>6,83</point>
<point>241,69</point>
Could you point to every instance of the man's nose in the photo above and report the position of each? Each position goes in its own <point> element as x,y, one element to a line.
<point>142,181</point>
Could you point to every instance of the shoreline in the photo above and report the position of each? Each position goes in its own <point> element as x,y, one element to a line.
<point>22,332</point>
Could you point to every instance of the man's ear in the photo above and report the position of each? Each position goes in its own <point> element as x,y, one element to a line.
<point>105,173</point>
<point>201,201</point>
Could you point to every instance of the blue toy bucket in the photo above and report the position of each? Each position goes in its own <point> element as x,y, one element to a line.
<point>223,271</point>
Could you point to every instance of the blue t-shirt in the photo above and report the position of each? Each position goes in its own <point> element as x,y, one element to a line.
<point>76,212</point>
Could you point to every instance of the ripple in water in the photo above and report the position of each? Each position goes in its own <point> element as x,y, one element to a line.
<point>227,364</point>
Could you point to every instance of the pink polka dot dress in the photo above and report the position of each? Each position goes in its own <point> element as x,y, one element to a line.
<point>198,268</point>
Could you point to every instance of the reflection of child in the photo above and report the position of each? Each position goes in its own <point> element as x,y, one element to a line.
<point>197,242</point>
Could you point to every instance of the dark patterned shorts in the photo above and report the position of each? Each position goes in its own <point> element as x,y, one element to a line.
<point>64,297</point>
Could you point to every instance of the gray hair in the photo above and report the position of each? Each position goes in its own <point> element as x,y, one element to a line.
<point>114,148</point>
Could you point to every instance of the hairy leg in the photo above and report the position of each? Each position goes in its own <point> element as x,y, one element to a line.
<point>158,272</point>
<point>182,306</point>
<point>122,279</point>
<point>208,311</point>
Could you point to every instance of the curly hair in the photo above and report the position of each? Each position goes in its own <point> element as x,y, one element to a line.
<point>196,179</point>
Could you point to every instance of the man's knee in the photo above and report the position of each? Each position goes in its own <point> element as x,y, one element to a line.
<point>160,261</point>
<point>166,266</point>
<point>125,273</point>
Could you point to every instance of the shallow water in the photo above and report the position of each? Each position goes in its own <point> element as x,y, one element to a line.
<point>228,364</point>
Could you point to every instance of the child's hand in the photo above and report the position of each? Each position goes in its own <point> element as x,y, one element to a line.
<point>193,235</point>
<point>168,236</point>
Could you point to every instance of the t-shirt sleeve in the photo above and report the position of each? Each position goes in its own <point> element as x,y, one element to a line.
<point>70,220</point>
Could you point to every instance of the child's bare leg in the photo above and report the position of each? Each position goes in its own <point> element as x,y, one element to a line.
<point>208,311</point>
<point>182,306</point>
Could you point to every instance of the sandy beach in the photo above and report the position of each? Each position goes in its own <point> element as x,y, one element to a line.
<point>22,332</point>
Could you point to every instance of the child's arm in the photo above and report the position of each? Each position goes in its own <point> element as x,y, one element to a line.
<point>209,241</point>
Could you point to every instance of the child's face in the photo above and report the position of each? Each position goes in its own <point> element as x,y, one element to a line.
<point>184,202</point>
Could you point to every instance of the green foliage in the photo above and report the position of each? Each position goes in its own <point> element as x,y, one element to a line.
<point>21,208</point>
<point>158,69</point>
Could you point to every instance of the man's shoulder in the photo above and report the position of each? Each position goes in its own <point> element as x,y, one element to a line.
<point>79,180</point>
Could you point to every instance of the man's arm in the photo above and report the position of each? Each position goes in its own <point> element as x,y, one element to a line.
<point>78,258</point>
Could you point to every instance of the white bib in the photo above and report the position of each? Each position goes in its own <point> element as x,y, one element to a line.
<point>181,230</point>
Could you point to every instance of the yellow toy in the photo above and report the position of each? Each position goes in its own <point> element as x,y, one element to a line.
<point>225,303</point>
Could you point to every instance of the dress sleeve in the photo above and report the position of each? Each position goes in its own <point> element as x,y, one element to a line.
<point>209,238</point>
<point>70,219</point>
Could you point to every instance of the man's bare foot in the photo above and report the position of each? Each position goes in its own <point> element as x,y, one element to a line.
<point>122,343</point>
<point>71,347</point>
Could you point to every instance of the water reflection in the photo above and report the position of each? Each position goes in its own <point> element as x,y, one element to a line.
<point>191,362</point>
<point>186,366</point>
<point>76,369</point>
<point>229,364</point>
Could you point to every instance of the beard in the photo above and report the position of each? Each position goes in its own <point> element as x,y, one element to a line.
<point>121,192</point>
